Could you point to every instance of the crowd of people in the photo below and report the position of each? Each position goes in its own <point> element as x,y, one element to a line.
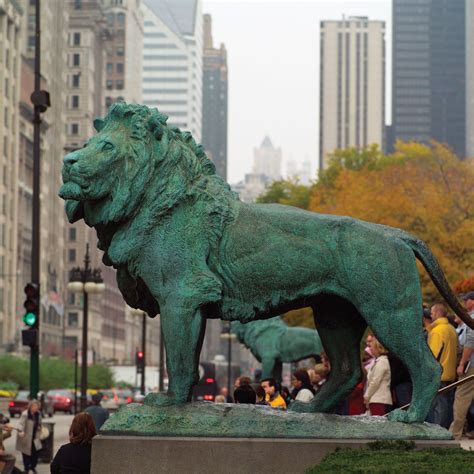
<point>386,383</point>
<point>74,457</point>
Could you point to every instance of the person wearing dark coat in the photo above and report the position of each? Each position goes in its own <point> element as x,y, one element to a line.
<point>99,413</point>
<point>75,457</point>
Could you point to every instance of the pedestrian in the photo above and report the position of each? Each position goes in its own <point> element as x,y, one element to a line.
<point>443,342</point>
<point>285,394</point>
<point>219,399</point>
<point>273,396</point>
<point>28,440</point>
<point>242,380</point>
<point>225,393</point>
<point>99,413</point>
<point>245,394</point>
<point>260,393</point>
<point>377,396</point>
<point>75,457</point>
<point>464,396</point>
<point>303,391</point>
<point>7,460</point>
<point>320,376</point>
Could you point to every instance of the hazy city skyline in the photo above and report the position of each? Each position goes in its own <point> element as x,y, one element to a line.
<point>273,59</point>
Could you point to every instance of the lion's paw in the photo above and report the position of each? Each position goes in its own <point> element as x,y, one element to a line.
<point>405,416</point>
<point>161,400</point>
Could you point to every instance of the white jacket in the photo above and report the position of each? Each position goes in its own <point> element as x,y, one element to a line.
<point>378,382</point>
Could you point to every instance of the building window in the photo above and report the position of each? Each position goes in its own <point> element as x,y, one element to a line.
<point>108,101</point>
<point>74,131</point>
<point>119,67</point>
<point>71,257</point>
<point>5,116</point>
<point>76,39</point>
<point>71,298</point>
<point>75,101</point>
<point>72,319</point>
<point>76,59</point>
<point>76,80</point>
<point>31,42</point>
<point>77,4</point>
<point>120,51</point>
<point>119,84</point>
<point>110,18</point>
<point>110,68</point>
<point>109,84</point>
<point>72,234</point>
<point>121,18</point>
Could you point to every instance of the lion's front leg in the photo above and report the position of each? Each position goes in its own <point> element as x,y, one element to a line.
<point>183,334</point>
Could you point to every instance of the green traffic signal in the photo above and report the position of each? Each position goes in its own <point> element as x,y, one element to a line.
<point>30,319</point>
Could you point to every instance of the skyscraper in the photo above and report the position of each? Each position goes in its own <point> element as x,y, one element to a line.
<point>214,100</point>
<point>429,72</point>
<point>10,63</point>
<point>352,84</point>
<point>123,78</point>
<point>267,160</point>
<point>172,61</point>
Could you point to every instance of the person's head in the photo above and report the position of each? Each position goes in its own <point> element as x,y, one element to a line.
<point>82,429</point>
<point>320,372</point>
<point>96,398</point>
<point>377,348</point>
<point>33,406</point>
<point>245,394</point>
<point>438,311</point>
<point>224,392</point>
<point>260,393</point>
<point>242,380</point>
<point>220,399</point>
<point>285,393</point>
<point>468,299</point>
<point>300,379</point>
<point>269,385</point>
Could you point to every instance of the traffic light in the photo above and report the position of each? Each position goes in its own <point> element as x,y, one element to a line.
<point>31,316</point>
<point>31,304</point>
<point>140,361</point>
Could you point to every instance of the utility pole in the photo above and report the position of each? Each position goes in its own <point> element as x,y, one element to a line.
<point>41,102</point>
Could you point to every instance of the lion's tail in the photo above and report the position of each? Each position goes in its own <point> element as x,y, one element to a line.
<point>432,266</point>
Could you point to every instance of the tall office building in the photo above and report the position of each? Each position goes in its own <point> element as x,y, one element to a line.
<point>214,100</point>
<point>54,19</point>
<point>352,85</point>
<point>469,79</point>
<point>10,63</point>
<point>429,72</point>
<point>123,80</point>
<point>87,44</point>
<point>267,160</point>
<point>172,61</point>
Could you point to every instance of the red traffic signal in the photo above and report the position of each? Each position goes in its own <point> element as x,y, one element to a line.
<point>140,361</point>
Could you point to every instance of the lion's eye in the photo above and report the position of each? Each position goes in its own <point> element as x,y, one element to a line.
<point>107,146</point>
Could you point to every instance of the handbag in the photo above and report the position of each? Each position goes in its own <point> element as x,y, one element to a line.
<point>44,433</point>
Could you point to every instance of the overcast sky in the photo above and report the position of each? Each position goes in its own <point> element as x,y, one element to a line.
<point>273,59</point>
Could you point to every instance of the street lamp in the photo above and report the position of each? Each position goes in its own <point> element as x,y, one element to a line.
<point>88,281</point>
<point>138,312</point>
<point>227,334</point>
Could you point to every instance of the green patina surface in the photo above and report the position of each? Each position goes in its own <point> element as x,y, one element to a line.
<point>272,342</point>
<point>206,419</point>
<point>184,246</point>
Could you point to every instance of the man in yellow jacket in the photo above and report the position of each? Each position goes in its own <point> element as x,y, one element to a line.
<point>443,342</point>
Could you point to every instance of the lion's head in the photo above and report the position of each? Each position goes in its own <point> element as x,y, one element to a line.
<point>133,152</point>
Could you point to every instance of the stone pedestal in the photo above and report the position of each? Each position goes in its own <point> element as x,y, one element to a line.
<point>183,455</point>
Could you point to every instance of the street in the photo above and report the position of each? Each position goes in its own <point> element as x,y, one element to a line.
<point>61,422</point>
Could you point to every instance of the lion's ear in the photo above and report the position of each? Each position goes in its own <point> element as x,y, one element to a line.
<point>99,124</point>
<point>155,127</point>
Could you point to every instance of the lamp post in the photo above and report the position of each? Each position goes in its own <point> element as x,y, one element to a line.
<point>227,334</point>
<point>86,280</point>
<point>138,312</point>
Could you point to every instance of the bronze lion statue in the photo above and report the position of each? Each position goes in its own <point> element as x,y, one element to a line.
<point>272,342</point>
<point>184,246</point>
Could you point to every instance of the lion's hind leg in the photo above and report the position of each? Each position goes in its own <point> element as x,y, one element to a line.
<point>400,331</point>
<point>341,329</point>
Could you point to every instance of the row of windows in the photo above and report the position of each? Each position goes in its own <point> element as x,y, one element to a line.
<point>112,18</point>
<point>167,102</point>
<point>119,67</point>
<point>165,68</point>
<point>165,79</point>
<point>154,35</point>
<point>114,84</point>
<point>164,57</point>
<point>160,46</point>
<point>165,91</point>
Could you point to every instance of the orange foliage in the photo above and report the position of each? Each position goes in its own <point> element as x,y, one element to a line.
<point>425,190</point>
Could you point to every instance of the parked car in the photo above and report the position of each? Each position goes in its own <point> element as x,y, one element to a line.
<point>19,404</point>
<point>113,398</point>
<point>62,400</point>
<point>21,400</point>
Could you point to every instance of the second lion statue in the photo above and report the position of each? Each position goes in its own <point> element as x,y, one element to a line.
<point>184,246</point>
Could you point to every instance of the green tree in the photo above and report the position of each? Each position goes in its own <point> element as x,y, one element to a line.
<point>288,192</point>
